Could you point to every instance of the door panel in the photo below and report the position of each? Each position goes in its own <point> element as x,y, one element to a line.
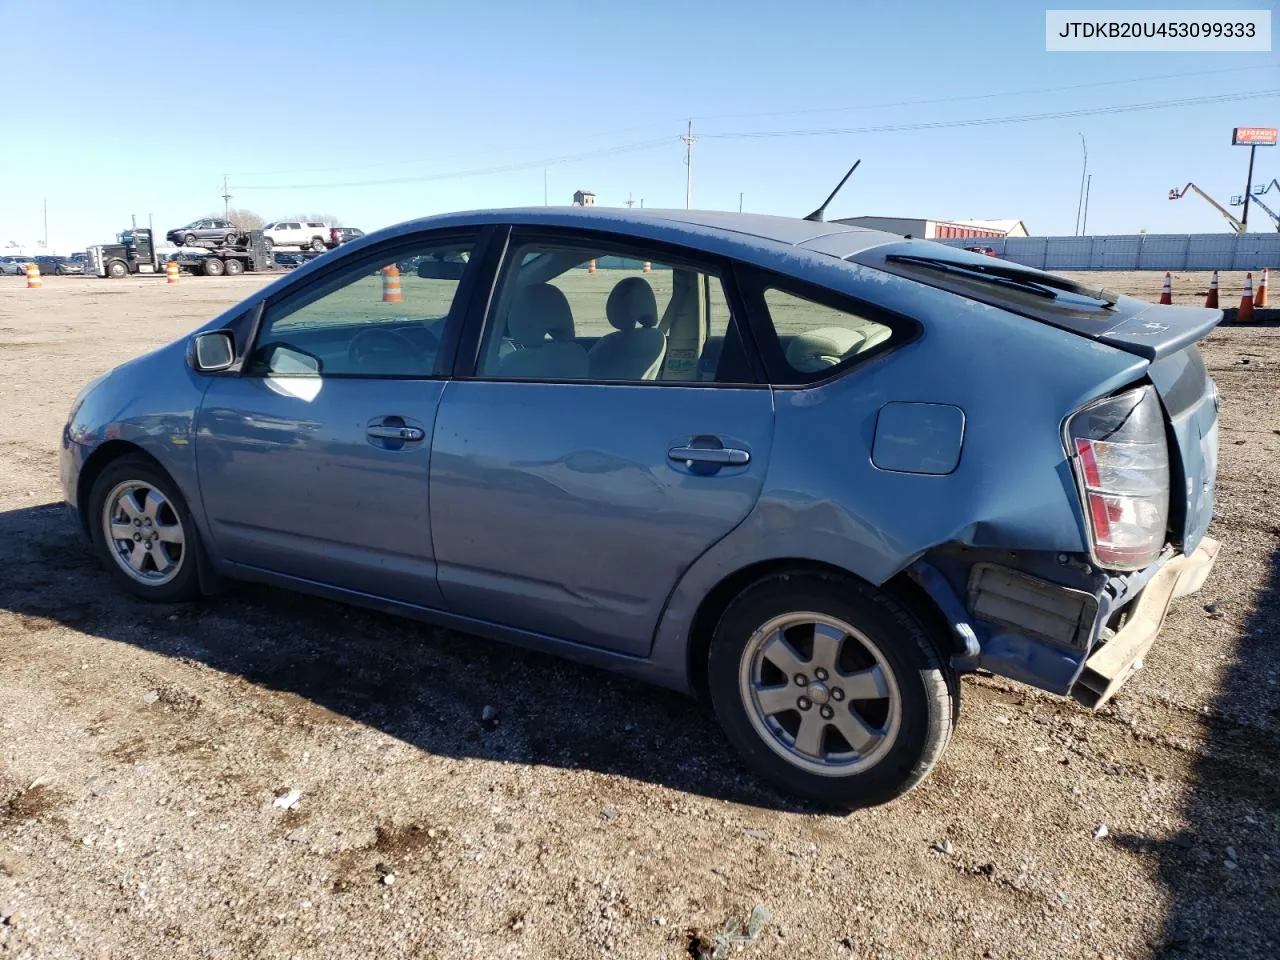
<point>559,508</point>
<point>309,477</point>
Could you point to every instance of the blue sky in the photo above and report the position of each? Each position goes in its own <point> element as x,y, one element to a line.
<point>304,105</point>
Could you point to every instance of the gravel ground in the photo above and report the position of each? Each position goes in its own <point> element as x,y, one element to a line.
<point>143,749</point>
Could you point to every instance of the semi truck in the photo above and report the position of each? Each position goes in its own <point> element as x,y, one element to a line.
<point>135,252</point>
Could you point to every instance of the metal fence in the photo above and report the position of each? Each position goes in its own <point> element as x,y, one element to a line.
<point>1162,251</point>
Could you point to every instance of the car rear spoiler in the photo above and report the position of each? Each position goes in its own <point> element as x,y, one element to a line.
<point>1146,329</point>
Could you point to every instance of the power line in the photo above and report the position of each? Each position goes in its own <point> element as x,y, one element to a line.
<point>977,96</point>
<point>689,139</point>
<point>988,121</point>
<point>475,172</point>
<point>449,156</point>
<point>735,116</point>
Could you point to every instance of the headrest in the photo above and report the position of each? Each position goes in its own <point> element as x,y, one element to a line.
<point>540,312</point>
<point>815,350</point>
<point>632,304</point>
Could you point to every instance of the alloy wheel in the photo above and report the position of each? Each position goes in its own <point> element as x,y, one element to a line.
<point>144,533</point>
<point>820,694</point>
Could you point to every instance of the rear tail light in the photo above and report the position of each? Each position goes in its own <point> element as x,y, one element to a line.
<point>1121,459</point>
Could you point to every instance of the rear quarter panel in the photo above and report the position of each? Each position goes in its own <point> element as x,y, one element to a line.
<point>1015,381</point>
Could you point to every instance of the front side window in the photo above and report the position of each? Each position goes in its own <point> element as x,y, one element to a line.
<point>374,320</point>
<point>582,310</point>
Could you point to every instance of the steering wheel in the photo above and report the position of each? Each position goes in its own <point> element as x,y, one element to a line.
<point>376,349</point>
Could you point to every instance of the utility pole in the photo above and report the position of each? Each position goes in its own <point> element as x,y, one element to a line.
<point>544,186</point>
<point>642,203</point>
<point>629,200</point>
<point>226,199</point>
<point>688,139</point>
<point>1248,189</point>
<point>1084,227</point>
<point>1084,167</point>
<point>739,201</point>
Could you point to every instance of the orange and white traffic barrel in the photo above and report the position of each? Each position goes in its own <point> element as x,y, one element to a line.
<point>391,292</point>
<point>171,272</point>
<point>33,277</point>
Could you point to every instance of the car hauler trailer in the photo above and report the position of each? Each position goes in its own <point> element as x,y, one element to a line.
<point>136,253</point>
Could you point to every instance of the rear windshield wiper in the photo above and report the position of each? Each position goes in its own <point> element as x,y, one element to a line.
<point>1040,284</point>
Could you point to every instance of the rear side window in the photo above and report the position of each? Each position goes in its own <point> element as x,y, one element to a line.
<point>815,337</point>
<point>807,334</point>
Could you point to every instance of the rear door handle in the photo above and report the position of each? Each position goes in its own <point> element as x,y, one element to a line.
<point>725,456</point>
<point>387,432</point>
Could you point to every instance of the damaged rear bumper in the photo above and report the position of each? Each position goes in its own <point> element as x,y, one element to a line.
<point>1082,638</point>
<point>1114,661</point>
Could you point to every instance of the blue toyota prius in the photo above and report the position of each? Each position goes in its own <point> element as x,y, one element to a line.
<point>810,472</point>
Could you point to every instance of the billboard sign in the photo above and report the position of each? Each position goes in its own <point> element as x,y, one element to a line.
<point>1254,137</point>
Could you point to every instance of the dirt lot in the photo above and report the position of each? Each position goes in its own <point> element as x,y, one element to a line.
<point>141,749</point>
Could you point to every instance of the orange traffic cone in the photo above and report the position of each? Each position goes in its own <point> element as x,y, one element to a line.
<point>1261,299</point>
<point>391,285</point>
<point>1166,292</point>
<point>33,277</point>
<point>1245,313</point>
<point>171,272</point>
<point>1211,300</point>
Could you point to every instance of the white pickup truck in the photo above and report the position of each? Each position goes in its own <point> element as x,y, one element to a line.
<point>302,234</point>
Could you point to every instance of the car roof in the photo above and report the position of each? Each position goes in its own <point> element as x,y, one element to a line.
<point>709,230</point>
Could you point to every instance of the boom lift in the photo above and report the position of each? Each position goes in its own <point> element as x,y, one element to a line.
<point>1176,194</point>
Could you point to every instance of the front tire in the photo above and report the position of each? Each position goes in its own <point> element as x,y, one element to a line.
<point>143,532</point>
<point>189,240</point>
<point>116,270</point>
<point>829,689</point>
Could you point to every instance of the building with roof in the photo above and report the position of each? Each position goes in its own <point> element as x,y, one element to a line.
<point>922,229</point>
<point>584,198</point>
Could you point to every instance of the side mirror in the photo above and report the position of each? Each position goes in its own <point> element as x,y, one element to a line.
<point>214,351</point>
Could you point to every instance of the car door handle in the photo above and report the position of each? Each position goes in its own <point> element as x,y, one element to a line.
<point>385,432</point>
<point>725,456</point>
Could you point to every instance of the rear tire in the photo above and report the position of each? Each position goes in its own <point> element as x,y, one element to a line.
<point>229,239</point>
<point>233,267</point>
<point>268,243</point>
<point>830,689</point>
<point>213,267</point>
<point>317,244</point>
<point>166,540</point>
